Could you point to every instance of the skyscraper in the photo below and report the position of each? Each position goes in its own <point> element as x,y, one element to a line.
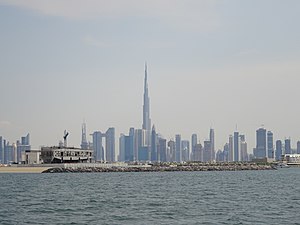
<point>25,140</point>
<point>139,141</point>
<point>162,149</point>
<point>243,149</point>
<point>140,145</point>
<point>127,145</point>
<point>4,152</point>
<point>178,157</point>
<point>10,154</point>
<point>226,152</point>
<point>207,154</point>
<point>194,143</point>
<point>198,153</point>
<point>146,110</point>
<point>185,150</point>
<point>230,150</point>
<point>128,148</point>
<point>15,153</point>
<point>122,148</point>
<point>242,138</point>
<point>287,146</point>
<point>212,143</point>
<point>153,145</point>
<point>1,150</point>
<point>23,146</point>
<point>278,150</point>
<point>84,143</point>
<point>97,146</point>
<point>110,145</point>
<point>220,156</point>
<point>171,153</point>
<point>270,145</point>
<point>261,143</point>
<point>236,145</point>
<point>298,147</point>
<point>107,154</point>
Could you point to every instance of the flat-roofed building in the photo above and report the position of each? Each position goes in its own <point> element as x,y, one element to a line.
<point>32,156</point>
<point>292,159</point>
<point>65,155</point>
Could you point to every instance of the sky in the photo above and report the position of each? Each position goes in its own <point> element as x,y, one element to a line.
<point>221,64</point>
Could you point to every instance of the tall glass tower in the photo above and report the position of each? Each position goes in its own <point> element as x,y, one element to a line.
<point>84,143</point>
<point>236,146</point>
<point>270,145</point>
<point>212,143</point>
<point>146,112</point>
<point>146,107</point>
<point>261,143</point>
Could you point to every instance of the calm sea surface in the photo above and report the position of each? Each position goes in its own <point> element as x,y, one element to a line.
<point>243,197</point>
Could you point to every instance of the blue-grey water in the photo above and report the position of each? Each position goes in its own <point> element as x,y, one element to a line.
<point>242,197</point>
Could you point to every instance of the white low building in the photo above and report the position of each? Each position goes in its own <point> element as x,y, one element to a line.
<point>292,159</point>
<point>32,157</point>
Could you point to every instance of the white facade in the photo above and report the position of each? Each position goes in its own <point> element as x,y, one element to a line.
<point>292,158</point>
<point>32,157</point>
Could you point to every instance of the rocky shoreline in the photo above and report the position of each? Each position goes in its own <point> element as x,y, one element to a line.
<point>165,168</point>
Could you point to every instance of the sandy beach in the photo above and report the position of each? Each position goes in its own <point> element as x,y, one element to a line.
<point>12,169</point>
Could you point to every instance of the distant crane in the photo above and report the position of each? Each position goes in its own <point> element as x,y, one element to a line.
<point>66,134</point>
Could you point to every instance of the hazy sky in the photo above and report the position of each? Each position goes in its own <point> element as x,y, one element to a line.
<point>210,64</point>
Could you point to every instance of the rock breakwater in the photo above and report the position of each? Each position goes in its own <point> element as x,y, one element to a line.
<point>165,168</point>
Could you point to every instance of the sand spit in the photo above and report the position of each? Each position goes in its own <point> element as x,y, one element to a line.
<point>11,169</point>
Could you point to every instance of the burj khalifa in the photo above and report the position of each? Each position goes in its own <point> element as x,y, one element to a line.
<point>146,109</point>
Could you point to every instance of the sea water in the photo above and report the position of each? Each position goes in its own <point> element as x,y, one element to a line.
<point>237,197</point>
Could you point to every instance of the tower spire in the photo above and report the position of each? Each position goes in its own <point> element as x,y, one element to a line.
<point>146,78</point>
<point>146,105</point>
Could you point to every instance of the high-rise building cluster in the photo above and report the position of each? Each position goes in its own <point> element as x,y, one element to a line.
<point>235,150</point>
<point>265,146</point>
<point>14,152</point>
<point>101,153</point>
<point>146,144</point>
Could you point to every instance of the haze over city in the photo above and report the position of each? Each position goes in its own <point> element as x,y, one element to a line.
<point>218,64</point>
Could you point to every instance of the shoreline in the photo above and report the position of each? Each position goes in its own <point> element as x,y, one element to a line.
<point>111,168</point>
<point>13,169</point>
<point>162,168</point>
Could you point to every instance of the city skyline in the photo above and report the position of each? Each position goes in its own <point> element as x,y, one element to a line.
<point>59,68</point>
<point>149,111</point>
<point>145,144</point>
<point>146,125</point>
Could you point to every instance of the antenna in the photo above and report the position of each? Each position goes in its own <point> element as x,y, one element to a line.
<point>66,134</point>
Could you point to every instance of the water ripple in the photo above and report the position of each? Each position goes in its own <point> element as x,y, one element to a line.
<point>240,197</point>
